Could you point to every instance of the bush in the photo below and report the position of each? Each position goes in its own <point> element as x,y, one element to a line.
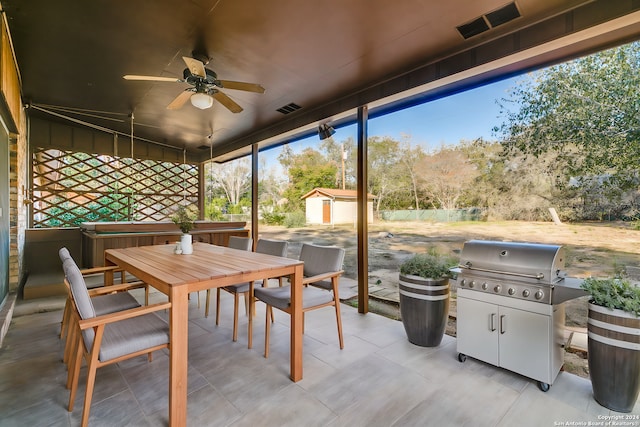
<point>295,219</point>
<point>613,293</point>
<point>273,218</point>
<point>429,265</point>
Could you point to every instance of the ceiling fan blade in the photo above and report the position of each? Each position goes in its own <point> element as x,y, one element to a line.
<point>227,102</point>
<point>196,67</point>
<point>249,87</point>
<point>180,100</point>
<point>151,78</point>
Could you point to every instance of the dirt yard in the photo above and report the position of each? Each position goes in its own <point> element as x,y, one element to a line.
<point>592,249</point>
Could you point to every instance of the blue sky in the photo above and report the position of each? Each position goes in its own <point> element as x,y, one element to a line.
<point>467,115</point>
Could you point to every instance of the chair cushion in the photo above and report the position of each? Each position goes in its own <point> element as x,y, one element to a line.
<point>272,247</point>
<point>264,246</point>
<point>131,335</point>
<point>280,297</point>
<point>240,288</point>
<point>324,284</point>
<point>64,254</point>
<point>242,243</point>
<point>78,289</point>
<point>321,259</point>
<point>105,304</point>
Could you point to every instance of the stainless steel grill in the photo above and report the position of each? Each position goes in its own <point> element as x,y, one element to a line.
<point>510,310</point>
<point>527,271</point>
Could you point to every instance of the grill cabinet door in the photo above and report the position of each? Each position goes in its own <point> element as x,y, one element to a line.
<point>524,343</point>
<point>477,331</point>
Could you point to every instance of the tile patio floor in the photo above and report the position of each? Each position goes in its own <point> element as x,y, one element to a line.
<point>379,379</point>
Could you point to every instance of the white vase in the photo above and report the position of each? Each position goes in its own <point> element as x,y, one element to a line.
<point>186,242</point>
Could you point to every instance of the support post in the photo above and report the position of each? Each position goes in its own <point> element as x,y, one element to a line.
<point>201,190</point>
<point>363,220</point>
<point>254,194</point>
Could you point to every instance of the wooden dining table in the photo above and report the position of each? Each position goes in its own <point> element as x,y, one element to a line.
<point>209,266</point>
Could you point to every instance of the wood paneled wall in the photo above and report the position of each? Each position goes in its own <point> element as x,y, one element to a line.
<point>9,79</point>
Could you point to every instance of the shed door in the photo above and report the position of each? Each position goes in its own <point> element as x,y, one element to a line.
<point>326,211</point>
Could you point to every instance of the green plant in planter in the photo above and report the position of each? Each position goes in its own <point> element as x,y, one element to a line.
<point>429,265</point>
<point>184,217</point>
<point>615,293</point>
<point>424,297</point>
<point>614,360</point>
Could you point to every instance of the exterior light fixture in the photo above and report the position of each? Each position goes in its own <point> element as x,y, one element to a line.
<point>201,100</point>
<point>325,131</point>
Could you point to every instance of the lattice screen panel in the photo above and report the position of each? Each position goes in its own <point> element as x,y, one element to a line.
<point>74,187</point>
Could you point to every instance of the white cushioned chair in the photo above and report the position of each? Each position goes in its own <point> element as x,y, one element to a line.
<point>322,268</point>
<point>105,299</point>
<point>264,246</point>
<point>108,338</point>
<point>235,242</point>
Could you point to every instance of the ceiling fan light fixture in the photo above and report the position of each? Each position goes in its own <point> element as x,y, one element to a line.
<point>325,131</point>
<point>201,100</point>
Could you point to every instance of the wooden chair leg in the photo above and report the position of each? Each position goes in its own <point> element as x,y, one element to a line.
<point>336,303</point>
<point>267,331</point>
<point>252,312</point>
<point>339,320</point>
<point>64,325</point>
<point>88,396</point>
<point>71,366</point>
<point>73,375</point>
<point>246,303</point>
<point>69,346</point>
<point>236,303</point>
<point>265,282</point>
<point>217,306</point>
<point>206,303</point>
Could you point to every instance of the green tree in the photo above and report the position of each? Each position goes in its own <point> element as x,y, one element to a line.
<point>411,157</point>
<point>271,186</point>
<point>445,175</point>
<point>335,152</point>
<point>587,112</point>
<point>387,175</point>
<point>306,171</point>
<point>233,178</point>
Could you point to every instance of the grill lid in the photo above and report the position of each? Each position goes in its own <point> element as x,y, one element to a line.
<point>528,261</point>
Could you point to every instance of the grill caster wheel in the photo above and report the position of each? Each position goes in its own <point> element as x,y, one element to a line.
<point>462,357</point>
<point>543,386</point>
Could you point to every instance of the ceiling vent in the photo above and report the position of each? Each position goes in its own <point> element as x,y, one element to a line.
<point>473,28</point>
<point>289,108</point>
<point>503,15</point>
<point>489,20</point>
<point>203,147</point>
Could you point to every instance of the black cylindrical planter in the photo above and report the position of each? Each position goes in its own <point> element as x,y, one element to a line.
<point>424,308</point>
<point>614,357</point>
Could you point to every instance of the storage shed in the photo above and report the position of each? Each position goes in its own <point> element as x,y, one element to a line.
<point>334,206</point>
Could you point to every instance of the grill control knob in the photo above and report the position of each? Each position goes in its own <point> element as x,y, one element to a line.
<point>472,284</point>
<point>497,289</point>
<point>539,295</point>
<point>463,282</point>
<point>511,291</point>
<point>485,285</point>
<point>526,293</point>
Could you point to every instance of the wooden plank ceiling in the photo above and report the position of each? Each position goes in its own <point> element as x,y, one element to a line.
<point>327,57</point>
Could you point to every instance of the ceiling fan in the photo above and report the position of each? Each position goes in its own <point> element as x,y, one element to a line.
<point>205,86</point>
